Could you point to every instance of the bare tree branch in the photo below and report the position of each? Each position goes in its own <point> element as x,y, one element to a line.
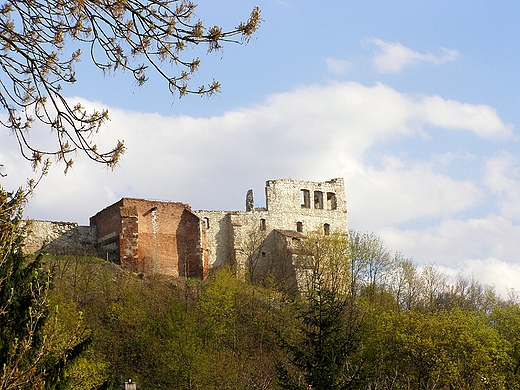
<point>127,35</point>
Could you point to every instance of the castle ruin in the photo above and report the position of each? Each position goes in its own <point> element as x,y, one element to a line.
<point>169,238</point>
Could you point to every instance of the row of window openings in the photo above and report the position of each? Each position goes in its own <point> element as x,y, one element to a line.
<point>299,227</point>
<point>305,198</point>
<point>326,228</point>
<point>263,226</point>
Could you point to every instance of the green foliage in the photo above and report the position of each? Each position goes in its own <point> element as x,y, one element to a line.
<point>329,318</point>
<point>371,264</point>
<point>330,263</point>
<point>506,320</point>
<point>217,308</point>
<point>444,349</point>
<point>143,329</point>
<point>326,342</point>
<point>190,365</point>
<point>368,320</point>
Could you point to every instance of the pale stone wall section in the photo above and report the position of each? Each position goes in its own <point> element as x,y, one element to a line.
<point>218,236</point>
<point>59,238</point>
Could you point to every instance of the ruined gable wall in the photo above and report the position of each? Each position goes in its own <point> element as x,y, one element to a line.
<point>291,205</point>
<point>170,238</point>
<point>191,246</point>
<point>107,222</point>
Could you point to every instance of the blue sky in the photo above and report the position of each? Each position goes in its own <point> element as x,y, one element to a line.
<point>414,103</point>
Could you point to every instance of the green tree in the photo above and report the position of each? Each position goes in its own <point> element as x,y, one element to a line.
<point>41,40</point>
<point>236,320</point>
<point>407,284</point>
<point>506,320</point>
<point>329,319</point>
<point>443,349</point>
<point>371,263</point>
<point>29,357</point>
<point>326,344</point>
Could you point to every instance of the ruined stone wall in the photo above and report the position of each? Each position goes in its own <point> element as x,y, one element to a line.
<point>249,231</point>
<point>292,205</point>
<point>279,257</point>
<point>168,238</point>
<point>59,238</point>
<point>286,244</point>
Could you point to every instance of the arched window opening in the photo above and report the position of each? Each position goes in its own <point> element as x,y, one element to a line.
<point>299,227</point>
<point>206,222</point>
<point>326,229</point>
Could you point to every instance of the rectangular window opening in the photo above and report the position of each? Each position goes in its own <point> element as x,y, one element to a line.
<point>206,222</point>
<point>262,224</point>
<point>331,201</point>
<point>305,198</point>
<point>299,227</point>
<point>318,200</point>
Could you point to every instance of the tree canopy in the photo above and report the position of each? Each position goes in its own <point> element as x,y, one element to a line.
<point>41,40</point>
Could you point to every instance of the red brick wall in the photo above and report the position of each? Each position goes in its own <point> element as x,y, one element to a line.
<point>156,237</point>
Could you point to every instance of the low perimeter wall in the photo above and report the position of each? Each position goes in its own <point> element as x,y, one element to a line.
<point>59,238</point>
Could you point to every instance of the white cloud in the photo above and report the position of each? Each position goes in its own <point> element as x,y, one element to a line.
<point>338,67</point>
<point>315,133</point>
<point>487,238</point>
<point>404,191</point>
<point>502,274</point>
<point>450,114</point>
<point>393,57</point>
<point>486,248</point>
<point>502,177</point>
